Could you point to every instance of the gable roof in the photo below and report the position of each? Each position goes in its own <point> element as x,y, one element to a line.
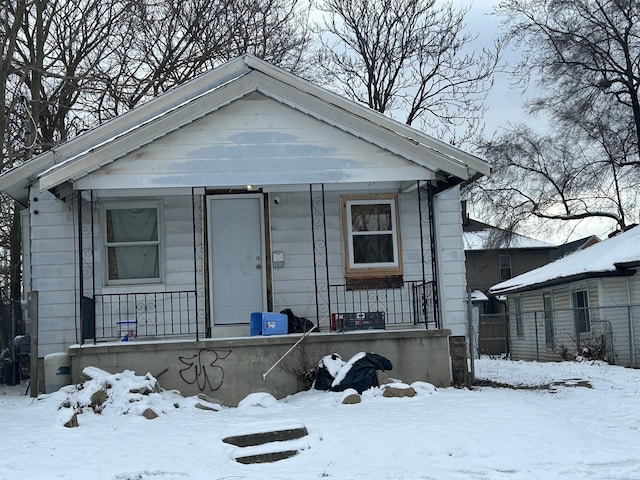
<point>482,236</point>
<point>615,256</point>
<point>213,90</point>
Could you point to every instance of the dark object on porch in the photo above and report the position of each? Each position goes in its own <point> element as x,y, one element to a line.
<point>297,324</point>
<point>344,322</point>
<point>358,373</point>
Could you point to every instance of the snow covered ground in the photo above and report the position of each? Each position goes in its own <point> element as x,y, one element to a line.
<point>574,420</point>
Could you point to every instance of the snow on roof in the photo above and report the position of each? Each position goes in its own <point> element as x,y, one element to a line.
<point>486,239</point>
<point>608,256</point>
<point>478,296</point>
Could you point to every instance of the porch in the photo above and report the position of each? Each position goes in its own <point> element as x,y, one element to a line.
<point>157,315</point>
<point>193,301</point>
<point>229,369</point>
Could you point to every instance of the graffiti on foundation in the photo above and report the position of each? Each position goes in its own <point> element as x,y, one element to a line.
<point>201,369</point>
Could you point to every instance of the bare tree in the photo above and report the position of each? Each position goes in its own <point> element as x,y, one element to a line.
<point>168,43</point>
<point>584,56</point>
<point>274,30</point>
<point>409,59</point>
<point>12,150</point>
<point>542,181</point>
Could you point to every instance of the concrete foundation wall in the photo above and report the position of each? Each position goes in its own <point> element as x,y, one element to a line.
<point>232,368</point>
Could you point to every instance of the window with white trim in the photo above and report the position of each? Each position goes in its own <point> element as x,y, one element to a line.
<point>547,302</point>
<point>372,236</point>
<point>517,306</point>
<point>580,305</point>
<point>132,242</point>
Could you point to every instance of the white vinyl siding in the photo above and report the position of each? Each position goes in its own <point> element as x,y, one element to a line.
<point>294,283</point>
<point>255,139</point>
<point>452,279</point>
<point>54,270</point>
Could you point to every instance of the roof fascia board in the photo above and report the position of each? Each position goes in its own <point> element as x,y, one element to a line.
<point>171,99</point>
<point>358,126</point>
<point>412,134</point>
<point>153,129</point>
<point>563,280</point>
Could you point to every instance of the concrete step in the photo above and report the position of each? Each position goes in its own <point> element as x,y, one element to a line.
<point>261,438</point>
<point>270,446</point>
<point>266,457</point>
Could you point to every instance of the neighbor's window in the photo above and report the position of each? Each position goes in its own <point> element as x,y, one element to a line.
<point>372,236</point>
<point>132,243</point>
<point>505,267</point>
<point>548,319</point>
<point>517,305</point>
<point>580,303</point>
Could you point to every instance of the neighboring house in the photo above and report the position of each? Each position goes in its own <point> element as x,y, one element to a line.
<point>587,302</point>
<point>244,190</point>
<point>493,255</point>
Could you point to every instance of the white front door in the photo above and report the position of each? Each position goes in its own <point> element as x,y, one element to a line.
<point>236,257</point>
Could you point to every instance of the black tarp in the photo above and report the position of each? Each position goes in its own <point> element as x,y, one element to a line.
<point>360,372</point>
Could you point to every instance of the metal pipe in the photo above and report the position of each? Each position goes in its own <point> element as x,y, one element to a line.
<point>535,322</point>
<point>313,245</point>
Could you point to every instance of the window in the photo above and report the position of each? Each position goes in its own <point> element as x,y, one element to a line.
<point>548,319</point>
<point>132,243</point>
<point>580,302</point>
<point>372,236</point>
<point>518,311</point>
<point>505,267</point>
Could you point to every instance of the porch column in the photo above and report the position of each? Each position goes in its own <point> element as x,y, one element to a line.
<point>200,268</point>
<point>86,265</point>
<point>320,255</point>
<point>427,235</point>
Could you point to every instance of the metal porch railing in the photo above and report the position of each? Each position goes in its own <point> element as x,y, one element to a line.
<point>408,305</point>
<point>126,316</point>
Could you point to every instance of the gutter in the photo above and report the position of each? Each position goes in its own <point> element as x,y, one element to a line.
<point>562,280</point>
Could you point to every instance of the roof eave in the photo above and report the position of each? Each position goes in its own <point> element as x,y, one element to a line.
<point>561,281</point>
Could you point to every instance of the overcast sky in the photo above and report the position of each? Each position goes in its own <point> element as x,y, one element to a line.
<point>505,104</point>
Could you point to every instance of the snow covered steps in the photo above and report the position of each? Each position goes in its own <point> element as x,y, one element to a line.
<point>271,446</point>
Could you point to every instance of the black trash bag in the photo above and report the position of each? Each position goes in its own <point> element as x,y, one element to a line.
<point>358,373</point>
<point>297,324</point>
<point>328,366</point>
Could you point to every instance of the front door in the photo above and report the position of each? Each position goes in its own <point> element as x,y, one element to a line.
<point>236,257</point>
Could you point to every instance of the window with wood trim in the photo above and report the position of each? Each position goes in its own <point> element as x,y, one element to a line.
<point>372,236</point>
<point>132,242</point>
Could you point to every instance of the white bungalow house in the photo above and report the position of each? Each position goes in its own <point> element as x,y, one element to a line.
<point>585,303</point>
<point>245,190</point>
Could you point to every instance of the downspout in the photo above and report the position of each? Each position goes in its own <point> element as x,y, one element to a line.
<point>472,336</point>
<point>313,247</point>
